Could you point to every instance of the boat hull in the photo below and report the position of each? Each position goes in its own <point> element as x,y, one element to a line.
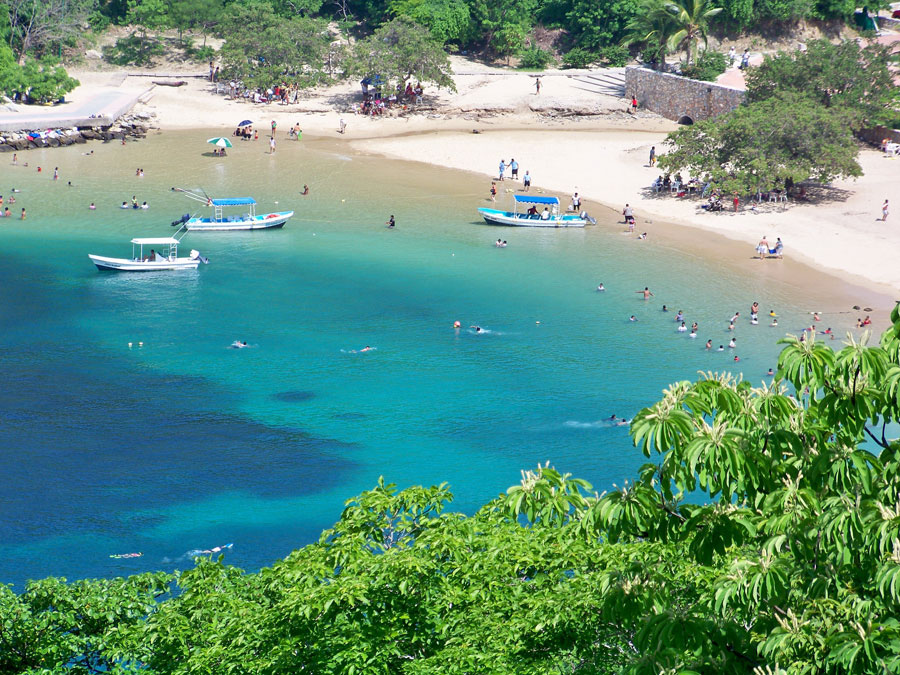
<point>510,219</point>
<point>266,221</point>
<point>129,265</point>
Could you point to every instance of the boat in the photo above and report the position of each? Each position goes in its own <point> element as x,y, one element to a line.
<point>550,217</point>
<point>219,222</point>
<point>170,83</point>
<point>162,254</point>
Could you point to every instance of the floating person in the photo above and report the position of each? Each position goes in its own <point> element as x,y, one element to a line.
<point>601,287</point>
<point>208,551</point>
<point>126,555</point>
<point>477,329</point>
<point>737,358</point>
<point>774,323</point>
<point>633,318</point>
<point>642,235</point>
<point>238,344</point>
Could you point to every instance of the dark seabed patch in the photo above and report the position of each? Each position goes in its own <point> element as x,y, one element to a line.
<point>296,396</point>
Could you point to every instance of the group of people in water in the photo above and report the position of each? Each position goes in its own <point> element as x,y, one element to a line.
<point>134,204</point>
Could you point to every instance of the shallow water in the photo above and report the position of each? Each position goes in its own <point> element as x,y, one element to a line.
<point>178,442</point>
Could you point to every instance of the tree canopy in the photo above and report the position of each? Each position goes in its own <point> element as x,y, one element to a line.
<point>854,80</point>
<point>785,559</point>
<point>402,50</point>
<point>761,145</point>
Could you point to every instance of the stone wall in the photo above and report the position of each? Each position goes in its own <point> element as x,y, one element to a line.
<point>875,135</point>
<point>678,98</point>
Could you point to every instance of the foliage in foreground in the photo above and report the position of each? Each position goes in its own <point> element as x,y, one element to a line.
<point>791,564</point>
<point>36,80</point>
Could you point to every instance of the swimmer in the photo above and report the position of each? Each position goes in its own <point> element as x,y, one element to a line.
<point>720,349</point>
<point>646,293</point>
<point>682,328</point>
<point>735,317</point>
<point>665,309</point>
<point>145,205</point>
<point>237,344</point>
<point>693,333</point>
<point>12,200</point>
<point>708,345</point>
<point>754,308</point>
<point>503,245</point>
<point>499,243</point>
<point>15,190</point>
<point>477,329</point>
<point>633,318</point>
<point>7,213</point>
<point>23,213</point>
<point>737,358</point>
<point>305,190</point>
<point>367,348</point>
<point>695,326</point>
<point>124,205</point>
<point>772,313</point>
<point>731,344</point>
<point>753,320</point>
<point>391,222</point>
<point>601,287</point>
<point>816,316</point>
<point>88,154</point>
<point>827,331</point>
<point>774,323</point>
<point>731,325</point>
<point>770,373</point>
<point>92,207</point>
<point>70,184</point>
<point>642,236</point>
<point>679,316</point>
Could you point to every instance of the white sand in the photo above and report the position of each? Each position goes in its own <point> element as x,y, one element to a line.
<point>571,139</point>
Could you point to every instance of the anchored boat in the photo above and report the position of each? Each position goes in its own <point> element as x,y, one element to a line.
<point>150,254</point>
<point>548,217</point>
<point>220,222</point>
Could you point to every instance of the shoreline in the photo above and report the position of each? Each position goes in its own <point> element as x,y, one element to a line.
<point>571,139</point>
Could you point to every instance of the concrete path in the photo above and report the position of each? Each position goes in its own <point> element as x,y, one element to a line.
<point>102,109</point>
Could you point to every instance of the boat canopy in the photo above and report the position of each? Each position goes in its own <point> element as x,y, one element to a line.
<point>155,241</point>
<point>239,201</point>
<point>528,199</point>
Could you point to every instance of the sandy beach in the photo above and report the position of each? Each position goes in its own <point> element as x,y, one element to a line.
<point>571,138</point>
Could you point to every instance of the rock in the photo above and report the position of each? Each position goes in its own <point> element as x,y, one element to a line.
<point>53,142</point>
<point>6,148</point>
<point>93,54</point>
<point>90,134</point>
<point>78,138</point>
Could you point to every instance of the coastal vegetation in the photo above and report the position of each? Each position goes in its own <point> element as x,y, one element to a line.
<point>761,536</point>
<point>798,123</point>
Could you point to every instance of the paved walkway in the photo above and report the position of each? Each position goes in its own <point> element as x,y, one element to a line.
<point>102,109</point>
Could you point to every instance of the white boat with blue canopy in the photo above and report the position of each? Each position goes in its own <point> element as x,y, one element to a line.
<point>534,217</point>
<point>221,222</point>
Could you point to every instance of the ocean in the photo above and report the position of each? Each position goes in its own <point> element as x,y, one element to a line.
<point>128,424</point>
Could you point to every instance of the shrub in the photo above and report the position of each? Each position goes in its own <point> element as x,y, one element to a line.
<point>615,55</point>
<point>579,57</point>
<point>535,58</point>
<point>131,50</point>
<point>708,66</point>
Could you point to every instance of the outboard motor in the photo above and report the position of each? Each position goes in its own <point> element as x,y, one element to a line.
<point>186,217</point>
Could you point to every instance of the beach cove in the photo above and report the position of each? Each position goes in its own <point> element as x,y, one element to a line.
<point>181,443</point>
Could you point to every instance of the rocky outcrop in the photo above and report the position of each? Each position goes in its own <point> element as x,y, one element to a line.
<point>128,126</point>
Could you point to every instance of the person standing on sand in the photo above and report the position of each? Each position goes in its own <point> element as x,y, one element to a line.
<point>15,158</point>
<point>343,126</point>
<point>646,293</point>
<point>514,169</point>
<point>633,104</point>
<point>502,168</point>
<point>884,211</point>
<point>652,155</point>
<point>271,145</point>
<point>493,191</point>
<point>537,86</point>
<point>526,181</point>
<point>736,202</point>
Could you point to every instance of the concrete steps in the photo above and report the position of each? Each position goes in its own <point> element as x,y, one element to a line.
<point>608,81</point>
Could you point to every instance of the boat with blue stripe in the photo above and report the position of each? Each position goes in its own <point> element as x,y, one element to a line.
<point>220,221</point>
<point>534,217</point>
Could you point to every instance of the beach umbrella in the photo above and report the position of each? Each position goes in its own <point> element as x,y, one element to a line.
<point>245,123</point>
<point>220,141</point>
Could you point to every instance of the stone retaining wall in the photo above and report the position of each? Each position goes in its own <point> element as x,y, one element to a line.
<point>678,98</point>
<point>875,135</point>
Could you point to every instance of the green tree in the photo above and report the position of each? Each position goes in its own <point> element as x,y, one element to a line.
<point>760,145</point>
<point>594,25</point>
<point>277,50</point>
<point>692,21</point>
<point>846,77</point>
<point>188,14</point>
<point>36,24</point>
<point>446,20</point>
<point>652,27</point>
<point>503,24</point>
<point>147,16</point>
<point>402,50</point>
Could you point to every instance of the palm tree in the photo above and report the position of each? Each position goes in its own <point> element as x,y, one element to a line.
<point>652,26</point>
<point>692,20</point>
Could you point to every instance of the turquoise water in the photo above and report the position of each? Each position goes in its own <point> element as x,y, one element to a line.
<point>182,443</point>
